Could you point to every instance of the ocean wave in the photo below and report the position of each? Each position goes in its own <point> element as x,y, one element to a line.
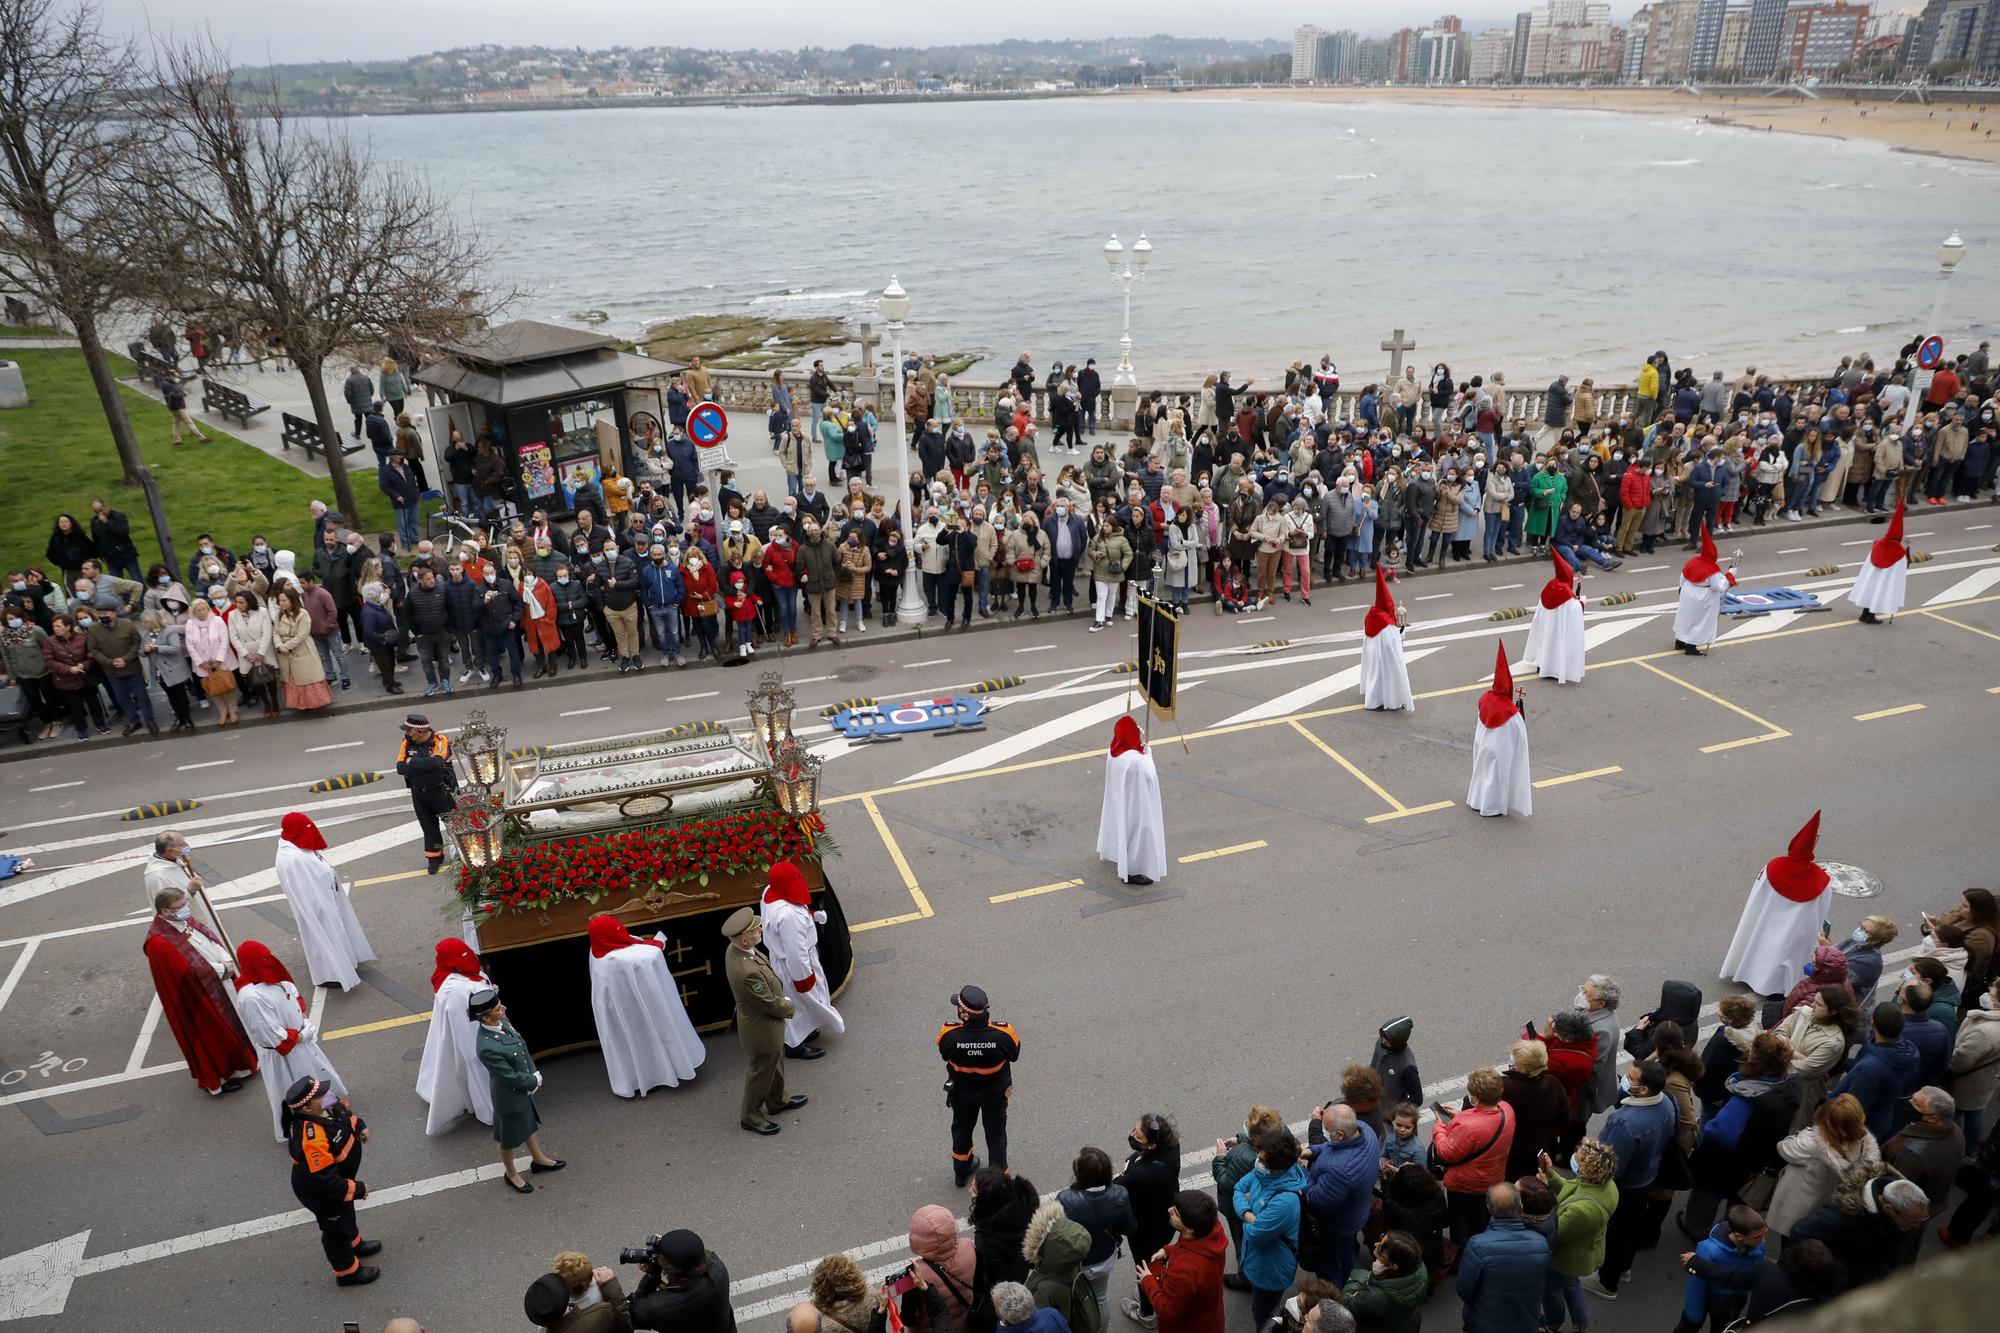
<point>1678,162</point>
<point>1357,176</point>
<point>1857,328</point>
<point>791,296</point>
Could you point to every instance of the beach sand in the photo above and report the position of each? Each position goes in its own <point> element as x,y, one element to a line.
<point>1970,131</point>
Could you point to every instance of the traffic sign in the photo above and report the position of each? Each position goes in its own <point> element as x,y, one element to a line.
<point>1930,353</point>
<point>708,424</point>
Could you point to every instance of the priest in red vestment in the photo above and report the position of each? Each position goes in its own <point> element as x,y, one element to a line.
<point>189,964</point>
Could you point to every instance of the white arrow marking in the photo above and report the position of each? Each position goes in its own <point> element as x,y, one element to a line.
<point>1305,696</point>
<point>1604,631</point>
<point>1000,751</point>
<point>1966,588</point>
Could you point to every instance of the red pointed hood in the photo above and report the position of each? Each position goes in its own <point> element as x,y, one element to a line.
<point>301,832</point>
<point>788,885</point>
<point>1125,738</point>
<point>258,965</point>
<point>1704,566</point>
<point>1497,706</point>
<point>607,933</point>
<point>1795,875</point>
<point>455,958</point>
<point>1889,547</point>
<point>1562,587</point>
<point>1383,614</point>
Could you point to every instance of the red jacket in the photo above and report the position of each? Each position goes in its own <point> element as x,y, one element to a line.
<point>1185,1287</point>
<point>321,611</point>
<point>1469,1139</point>
<point>1572,1063</point>
<point>1635,488</point>
<point>778,565</point>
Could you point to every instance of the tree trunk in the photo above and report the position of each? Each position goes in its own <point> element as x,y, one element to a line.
<point>112,401</point>
<point>329,438</point>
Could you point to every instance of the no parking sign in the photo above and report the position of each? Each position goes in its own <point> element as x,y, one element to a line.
<point>1930,352</point>
<point>708,424</point>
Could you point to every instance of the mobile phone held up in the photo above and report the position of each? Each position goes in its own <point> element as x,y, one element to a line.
<point>904,1281</point>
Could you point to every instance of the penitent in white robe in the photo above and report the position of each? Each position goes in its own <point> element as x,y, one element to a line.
<point>1774,939</point>
<point>791,937</point>
<point>1555,642</point>
<point>451,1079</point>
<point>1385,677</point>
<point>329,932</point>
<point>1500,782</point>
<point>270,1011</point>
<point>1699,608</point>
<point>642,1027</point>
<point>1132,830</point>
<point>1881,590</point>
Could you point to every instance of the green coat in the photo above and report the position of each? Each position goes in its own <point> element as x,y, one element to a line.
<point>1547,494</point>
<point>1582,1214</point>
<point>1056,1247</point>
<point>1387,1304</point>
<point>1106,550</point>
<point>512,1073</point>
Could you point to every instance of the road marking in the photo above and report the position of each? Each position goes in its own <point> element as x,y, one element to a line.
<point>137,1060</point>
<point>211,763</point>
<point>57,786</point>
<point>1579,777</point>
<point>340,745</point>
<point>1305,696</point>
<point>1925,533</point>
<point>1396,807</point>
<point>16,972</point>
<point>902,868</point>
<point>1972,585</point>
<point>1253,620</point>
<point>1934,615</point>
<point>811,680</point>
<point>1432,597</point>
<point>389,879</point>
<point>1890,712</point>
<point>1654,569</point>
<point>1604,631</point>
<point>1223,851</point>
<point>683,698</point>
<point>1035,892</point>
<point>1038,648</point>
<point>1409,810</point>
<point>579,712</point>
<point>1976,527</point>
<point>1046,733</point>
<point>1865,541</point>
<point>363,1029</point>
<point>912,666</point>
<point>1506,587</point>
<point>1794,550</point>
<point>1772,731</point>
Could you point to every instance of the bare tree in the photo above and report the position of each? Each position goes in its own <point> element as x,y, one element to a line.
<point>298,232</point>
<point>67,214</point>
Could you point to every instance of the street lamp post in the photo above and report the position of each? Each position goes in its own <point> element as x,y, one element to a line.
<point>1949,252</point>
<point>1142,251</point>
<point>910,606</point>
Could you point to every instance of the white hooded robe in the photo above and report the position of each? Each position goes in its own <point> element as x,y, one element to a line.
<point>451,1079</point>
<point>791,937</point>
<point>329,932</point>
<point>1555,642</point>
<point>642,1026</point>
<point>269,1010</point>
<point>1132,829</point>
<point>1385,676</point>
<point>1880,590</point>
<point>1774,939</point>
<point>1699,608</point>
<point>1500,781</point>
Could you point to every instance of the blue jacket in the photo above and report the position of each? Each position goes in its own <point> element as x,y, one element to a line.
<point>1043,1320</point>
<point>1726,1297</point>
<point>1880,1079</point>
<point>1500,1278</point>
<point>1638,1133</point>
<point>1933,1042</point>
<point>660,585</point>
<point>1864,970</point>
<point>1269,1256</point>
<point>461,598</point>
<point>1340,1185</point>
<point>684,459</point>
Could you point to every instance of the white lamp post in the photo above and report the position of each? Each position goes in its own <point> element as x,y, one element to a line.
<point>910,607</point>
<point>1949,252</point>
<point>1135,271</point>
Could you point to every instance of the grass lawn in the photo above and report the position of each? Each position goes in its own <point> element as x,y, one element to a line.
<point>56,455</point>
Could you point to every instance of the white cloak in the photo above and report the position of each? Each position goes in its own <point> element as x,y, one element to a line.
<point>1881,590</point>
<point>1385,677</point>
<point>451,1079</point>
<point>1699,608</point>
<point>329,932</point>
<point>1500,783</point>
<point>642,1027</point>
<point>268,1012</point>
<point>791,937</point>
<point>1774,939</point>
<point>1555,642</point>
<point>1132,829</point>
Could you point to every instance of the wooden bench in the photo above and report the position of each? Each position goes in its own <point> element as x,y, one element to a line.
<point>305,433</point>
<point>218,399</point>
<point>152,366</point>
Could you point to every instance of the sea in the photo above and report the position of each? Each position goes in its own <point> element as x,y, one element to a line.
<point>1523,240</point>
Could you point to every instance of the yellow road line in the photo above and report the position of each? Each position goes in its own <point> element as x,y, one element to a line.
<point>1720,746</point>
<point>1962,625</point>
<point>902,865</point>
<point>1224,851</point>
<point>1408,810</point>
<point>1772,731</point>
<point>383,1026</point>
<point>1994,690</point>
<point>1338,758</point>
<point>1890,712</point>
<point>1580,777</point>
<point>1035,892</point>
<point>390,879</point>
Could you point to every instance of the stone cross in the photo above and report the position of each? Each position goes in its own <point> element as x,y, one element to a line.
<point>868,341</point>
<point>1395,347</point>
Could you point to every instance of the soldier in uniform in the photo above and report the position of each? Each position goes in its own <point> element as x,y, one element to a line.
<point>979,1055</point>
<point>325,1144</point>
<point>762,1006</point>
<point>424,762</point>
<point>515,1082</point>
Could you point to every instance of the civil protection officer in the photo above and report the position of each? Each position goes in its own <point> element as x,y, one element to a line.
<point>978,1055</point>
<point>424,762</point>
<point>325,1146</point>
<point>762,1006</point>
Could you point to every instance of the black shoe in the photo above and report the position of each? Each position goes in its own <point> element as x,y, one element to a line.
<point>230,1085</point>
<point>805,1050</point>
<point>1692,651</point>
<point>393,689</point>
<point>1868,618</point>
<point>1236,1282</point>
<point>368,1248</point>
<point>433,864</point>
<point>791,1103</point>
<point>522,1187</point>
<point>346,684</point>
<point>360,1277</point>
<point>961,1172</point>
<point>761,1127</point>
<point>544,1168</point>
<point>1139,879</point>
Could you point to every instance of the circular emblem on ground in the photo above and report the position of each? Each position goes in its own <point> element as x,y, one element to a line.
<point>1851,881</point>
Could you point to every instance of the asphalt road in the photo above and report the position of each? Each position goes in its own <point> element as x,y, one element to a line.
<point>1330,878</point>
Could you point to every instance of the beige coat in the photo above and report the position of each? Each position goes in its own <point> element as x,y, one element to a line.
<point>297,657</point>
<point>1017,549</point>
<point>1975,1059</point>
<point>1816,1050</point>
<point>1812,1170</point>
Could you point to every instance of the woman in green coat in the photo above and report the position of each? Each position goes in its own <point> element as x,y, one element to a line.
<point>1548,491</point>
<point>1110,558</point>
<point>1388,1296</point>
<point>1583,1210</point>
<point>515,1081</point>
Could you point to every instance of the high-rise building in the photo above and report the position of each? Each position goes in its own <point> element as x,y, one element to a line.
<point>1632,60</point>
<point>1524,25</point>
<point>1761,42</point>
<point>1816,39</point>
<point>1337,63</point>
<point>1735,31</point>
<point>1492,56</point>
<point>1967,30</point>
<point>1671,40</point>
<point>1305,52</point>
<point>1440,55</point>
<point>1708,19</point>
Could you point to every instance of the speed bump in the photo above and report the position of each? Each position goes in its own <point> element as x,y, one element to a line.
<point>1919,557</point>
<point>1125,668</point>
<point>344,781</point>
<point>1821,571</point>
<point>686,729</point>
<point>1509,613</point>
<point>522,752</point>
<point>1273,643</point>
<point>1618,599</point>
<point>856,702</point>
<point>155,809</point>
<point>996,683</point>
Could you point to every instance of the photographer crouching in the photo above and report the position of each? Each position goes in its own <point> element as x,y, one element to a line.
<point>684,1288</point>
<point>573,1297</point>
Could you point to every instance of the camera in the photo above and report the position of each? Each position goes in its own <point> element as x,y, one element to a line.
<point>642,1255</point>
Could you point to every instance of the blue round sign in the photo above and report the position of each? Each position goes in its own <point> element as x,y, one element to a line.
<point>708,424</point>
<point>1930,353</point>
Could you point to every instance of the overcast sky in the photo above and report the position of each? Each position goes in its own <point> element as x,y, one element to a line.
<point>294,30</point>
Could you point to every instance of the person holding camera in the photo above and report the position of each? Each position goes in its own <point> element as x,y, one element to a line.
<point>573,1297</point>
<point>978,1056</point>
<point>685,1286</point>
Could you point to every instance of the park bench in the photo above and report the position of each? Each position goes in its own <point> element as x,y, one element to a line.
<point>218,399</point>
<point>305,433</point>
<point>152,366</point>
